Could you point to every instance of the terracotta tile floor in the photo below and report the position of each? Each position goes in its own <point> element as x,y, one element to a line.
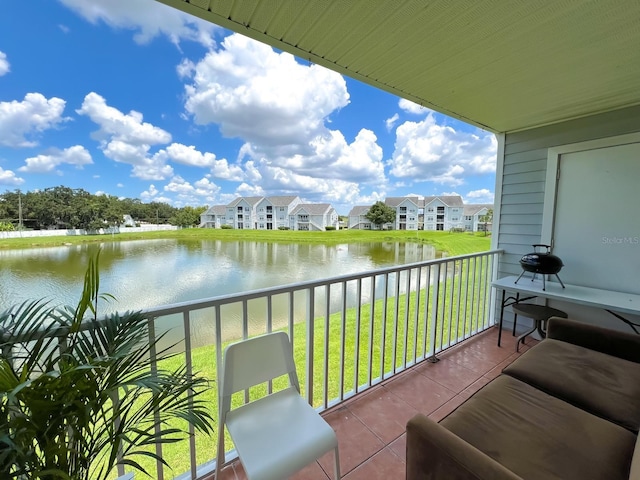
<point>371,425</point>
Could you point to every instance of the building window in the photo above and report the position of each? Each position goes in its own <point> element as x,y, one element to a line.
<point>454,219</point>
<point>430,209</point>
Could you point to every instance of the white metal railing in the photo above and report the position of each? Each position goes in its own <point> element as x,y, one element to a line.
<point>348,332</point>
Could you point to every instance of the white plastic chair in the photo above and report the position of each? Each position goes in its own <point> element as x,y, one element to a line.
<point>277,435</point>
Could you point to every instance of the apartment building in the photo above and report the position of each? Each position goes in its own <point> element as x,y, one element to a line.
<point>273,212</point>
<point>214,217</point>
<point>313,217</point>
<point>443,212</point>
<point>474,216</point>
<point>407,212</point>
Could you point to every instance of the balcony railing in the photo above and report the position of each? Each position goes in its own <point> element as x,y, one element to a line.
<point>349,333</point>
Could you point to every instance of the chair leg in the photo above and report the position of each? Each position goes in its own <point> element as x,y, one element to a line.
<point>337,466</point>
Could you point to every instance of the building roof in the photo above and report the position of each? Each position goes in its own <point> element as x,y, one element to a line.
<point>282,201</point>
<point>475,208</point>
<point>216,210</point>
<point>503,66</point>
<point>448,200</point>
<point>312,208</point>
<point>395,201</point>
<point>359,210</point>
<point>250,200</point>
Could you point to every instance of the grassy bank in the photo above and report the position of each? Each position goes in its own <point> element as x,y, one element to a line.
<point>453,243</point>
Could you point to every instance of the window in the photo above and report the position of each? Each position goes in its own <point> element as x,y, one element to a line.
<point>282,209</point>
<point>454,219</point>
<point>430,209</point>
<point>468,218</point>
<point>430,219</point>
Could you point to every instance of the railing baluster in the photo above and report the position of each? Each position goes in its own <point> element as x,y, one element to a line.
<point>473,296</point>
<point>343,334</point>
<point>356,366</point>
<point>443,302</point>
<point>452,340</point>
<point>407,306</point>
<point>327,339</point>
<point>395,321</point>
<point>427,290</point>
<point>189,366</point>
<point>310,324</point>
<point>466,319</point>
<point>372,303</point>
<point>458,306</point>
<point>434,312</point>
<point>416,315</point>
<point>383,336</point>
<point>153,358</point>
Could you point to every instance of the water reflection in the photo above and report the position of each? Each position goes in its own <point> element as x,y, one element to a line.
<point>148,273</point>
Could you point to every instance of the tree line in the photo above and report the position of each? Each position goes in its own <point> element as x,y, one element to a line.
<point>63,207</point>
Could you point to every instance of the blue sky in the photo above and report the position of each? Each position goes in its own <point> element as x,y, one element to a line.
<point>135,99</point>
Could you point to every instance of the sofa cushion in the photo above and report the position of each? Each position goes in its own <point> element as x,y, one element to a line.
<point>604,385</point>
<point>538,436</point>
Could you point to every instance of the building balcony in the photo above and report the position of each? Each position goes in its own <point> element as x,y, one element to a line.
<point>371,349</point>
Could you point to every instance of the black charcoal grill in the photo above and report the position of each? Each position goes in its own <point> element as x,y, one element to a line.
<point>543,263</point>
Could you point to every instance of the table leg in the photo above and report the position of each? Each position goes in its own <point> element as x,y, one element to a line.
<point>501,316</point>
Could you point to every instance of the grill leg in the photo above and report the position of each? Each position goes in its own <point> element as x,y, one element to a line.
<point>559,280</point>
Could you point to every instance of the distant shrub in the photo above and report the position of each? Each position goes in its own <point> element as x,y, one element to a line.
<point>283,228</point>
<point>226,227</point>
<point>329,227</point>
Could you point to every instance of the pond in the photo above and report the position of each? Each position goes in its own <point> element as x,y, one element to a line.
<point>150,273</point>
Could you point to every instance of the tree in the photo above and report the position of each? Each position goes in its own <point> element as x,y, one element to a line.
<point>485,219</point>
<point>380,213</point>
<point>187,216</point>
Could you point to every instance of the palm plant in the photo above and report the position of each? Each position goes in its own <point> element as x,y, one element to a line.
<point>79,393</point>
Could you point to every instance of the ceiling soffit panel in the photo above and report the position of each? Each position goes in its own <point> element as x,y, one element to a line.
<point>501,65</point>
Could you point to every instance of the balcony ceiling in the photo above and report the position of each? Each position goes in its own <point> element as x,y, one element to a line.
<point>501,65</point>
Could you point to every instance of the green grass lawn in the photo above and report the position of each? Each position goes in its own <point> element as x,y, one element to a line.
<point>453,243</point>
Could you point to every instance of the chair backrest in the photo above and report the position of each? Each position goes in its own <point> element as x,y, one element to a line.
<point>256,361</point>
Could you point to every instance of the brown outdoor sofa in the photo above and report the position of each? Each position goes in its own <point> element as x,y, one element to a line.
<point>568,408</point>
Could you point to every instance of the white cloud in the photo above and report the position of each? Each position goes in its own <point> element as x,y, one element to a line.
<point>7,177</point>
<point>280,109</point>
<point>411,107</point>
<point>147,18</point>
<point>391,121</point>
<point>125,138</point>
<point>19,120</point>
<point>4,64</point>
<point>220,168</point>
<point>483,195</point>
<point>426,151</point>
<point>150,194</point>
<point>202,191</point>
<point>76,155</point>
<point>263,97</point>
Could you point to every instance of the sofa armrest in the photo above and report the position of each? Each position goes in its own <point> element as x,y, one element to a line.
<point>612,342</point>
<point>433,452</point>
